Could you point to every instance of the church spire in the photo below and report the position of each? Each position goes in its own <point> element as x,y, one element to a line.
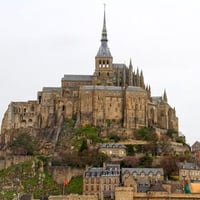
<point>104,51</point>
<point>104,31</point>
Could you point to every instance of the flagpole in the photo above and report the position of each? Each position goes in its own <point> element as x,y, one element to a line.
<point>63,189</point>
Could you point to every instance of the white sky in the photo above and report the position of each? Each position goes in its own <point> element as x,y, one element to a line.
<point>41,40</point>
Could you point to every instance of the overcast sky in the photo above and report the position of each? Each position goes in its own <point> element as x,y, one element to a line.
<point>41,40</point>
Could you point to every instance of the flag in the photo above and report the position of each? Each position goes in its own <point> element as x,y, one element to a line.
<point>65,182</point>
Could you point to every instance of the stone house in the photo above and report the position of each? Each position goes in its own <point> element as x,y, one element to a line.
<point>113,150</point>
<point>101,181</point>
<point>189,172</point>
<point>143,177</point>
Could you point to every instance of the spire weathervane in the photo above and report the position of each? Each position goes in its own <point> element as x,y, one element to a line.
<point>104,31</point>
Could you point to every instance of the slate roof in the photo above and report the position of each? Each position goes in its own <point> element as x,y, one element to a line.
<point>50,89</point>
<point>138,171</point>
<point>157,99</point>
<point>119,65</point>
<point>104,51</point>
<point>94,172</point>
<point>71,77</point>
<point>187,165</point>
<point>110,170</point>
<point>157,188</point>
<point>101,87</point>
<point>113,146</point>
<point>135,88</point>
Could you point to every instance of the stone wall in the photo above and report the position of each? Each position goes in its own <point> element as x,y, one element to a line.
<point>74,197</point>
<point>61,173</point>
<point>126,193</point>
<point>13,160</point>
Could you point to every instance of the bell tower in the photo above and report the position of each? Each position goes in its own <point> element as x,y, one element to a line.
<point>104,60</point>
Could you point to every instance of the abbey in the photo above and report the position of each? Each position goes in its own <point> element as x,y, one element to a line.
<point>114,98</point>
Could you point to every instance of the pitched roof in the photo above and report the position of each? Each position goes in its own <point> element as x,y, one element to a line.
<point>71,77</point>
<point>157,188</point>
<point>119,65</point>
<point>143,170</point>
<point>113,146</point>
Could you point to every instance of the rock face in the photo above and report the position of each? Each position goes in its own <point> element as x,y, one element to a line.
<point>115,96</point>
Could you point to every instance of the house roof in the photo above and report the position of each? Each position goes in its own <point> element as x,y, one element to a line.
<point>109,170</point>
<point>157,188</point>
<point>112,146</point>
<point>146,171</point>
<point>71,77</point>
<point>188,165</point>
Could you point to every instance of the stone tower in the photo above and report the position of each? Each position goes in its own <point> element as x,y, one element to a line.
<point>103,60</point>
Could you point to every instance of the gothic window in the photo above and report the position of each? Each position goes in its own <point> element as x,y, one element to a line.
<point>107,73</point>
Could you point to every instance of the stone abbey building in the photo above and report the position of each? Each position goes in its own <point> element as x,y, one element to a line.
<point>115,97</point>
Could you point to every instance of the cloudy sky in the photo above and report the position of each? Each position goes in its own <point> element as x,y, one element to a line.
<point>41,40</point>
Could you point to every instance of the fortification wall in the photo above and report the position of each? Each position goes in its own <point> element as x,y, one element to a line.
<point>74,197</point>
<point>126,193</point>
<point>13,160</point>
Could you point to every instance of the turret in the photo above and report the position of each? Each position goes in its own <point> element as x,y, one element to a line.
<point>165,96</point>
<point>142,80</point>
<point>130,73</point>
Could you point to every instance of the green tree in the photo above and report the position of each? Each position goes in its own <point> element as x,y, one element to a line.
<point>146,161</point>
<point>130,150</point>
<point>23,144</point>
<point>83,145</point>
<point>147,134</point>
